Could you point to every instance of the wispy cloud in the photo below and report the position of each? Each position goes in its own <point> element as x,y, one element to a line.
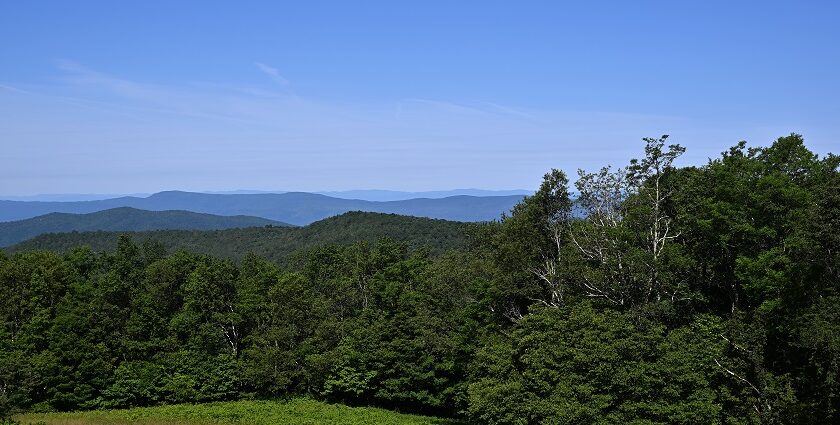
<point>447,106</point>
<point>13,89</point>
<point>505,109</point>
<point>80,75</point>
<point>164,132</point>
<point>117,93</point>
<point>273,73</point>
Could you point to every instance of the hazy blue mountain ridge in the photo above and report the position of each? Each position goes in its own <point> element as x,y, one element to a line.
<point>360,194</point>
<point>298,208</point>
<point>123,219</point>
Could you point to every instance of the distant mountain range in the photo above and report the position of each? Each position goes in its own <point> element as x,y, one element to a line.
<point>274,243</point>
<point>297,208</point>
<point>67,197</point>
<point>364,195</point>
<point>123,219</point>
<point>392,195</point>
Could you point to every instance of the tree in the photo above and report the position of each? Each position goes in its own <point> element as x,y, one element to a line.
<point>524,245</point>
<point>576,364</point>
<point>211,318</point>
<point>284,336</point>
<point>623,237</point>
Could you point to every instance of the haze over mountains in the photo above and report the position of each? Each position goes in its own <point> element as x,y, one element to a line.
<point>393,195</point>
<point>297,208</point>
<point>364,195</point>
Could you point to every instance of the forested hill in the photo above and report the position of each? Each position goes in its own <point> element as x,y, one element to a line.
<point>296,208</point>
<point>123,219</point>
<point>275,243</point>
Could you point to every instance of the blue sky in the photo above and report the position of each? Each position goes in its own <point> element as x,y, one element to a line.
<point>112,97</point>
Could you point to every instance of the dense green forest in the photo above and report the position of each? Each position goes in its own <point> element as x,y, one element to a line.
<point>687,295</point>
<point>275,243</point>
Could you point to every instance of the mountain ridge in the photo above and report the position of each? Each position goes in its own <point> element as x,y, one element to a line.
<point>358,194</point>
<point>123,219</point>
<point>297,208</point>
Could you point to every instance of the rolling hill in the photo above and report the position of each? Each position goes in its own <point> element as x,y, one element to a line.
<point>275,243</point>
<point>298,208</point>
<point>122,219</point>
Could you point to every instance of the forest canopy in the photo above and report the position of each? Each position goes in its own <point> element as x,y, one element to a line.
<point>656,294</point>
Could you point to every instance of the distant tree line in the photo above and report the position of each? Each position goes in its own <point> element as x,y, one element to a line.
<point>685,295</point>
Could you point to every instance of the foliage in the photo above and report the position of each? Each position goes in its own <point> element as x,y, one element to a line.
<point>658,295</point>
<point>274,243</point>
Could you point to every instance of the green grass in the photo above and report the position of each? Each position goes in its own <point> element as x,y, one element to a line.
<point>292,412</point>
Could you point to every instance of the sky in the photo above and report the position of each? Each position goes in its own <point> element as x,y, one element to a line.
<point>139,97</point>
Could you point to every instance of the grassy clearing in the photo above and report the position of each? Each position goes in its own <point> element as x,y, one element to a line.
<point>293,412</point>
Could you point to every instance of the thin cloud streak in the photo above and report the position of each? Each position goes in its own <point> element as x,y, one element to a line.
<point>13,89</point>
<point>273,73</point>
